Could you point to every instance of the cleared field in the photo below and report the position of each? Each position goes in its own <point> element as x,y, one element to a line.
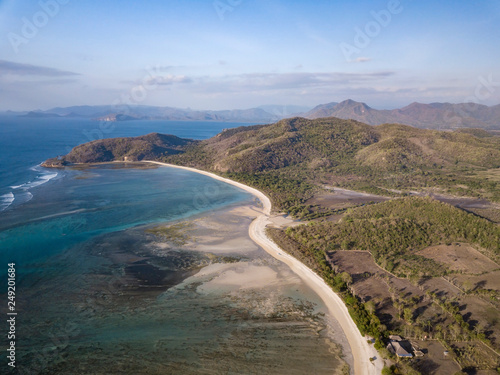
<point>490,280</point>
<point>336,198</point>
<point>369,280</point>
<point>440,287</point>
<point>460,257</point>
<point>477,355</point>
<point>481,315</point>
<point>421,308</point>
<point>372,283</point>
<point>434,362</point>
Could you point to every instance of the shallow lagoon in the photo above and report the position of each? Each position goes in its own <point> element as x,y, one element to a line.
<point>99,292</point>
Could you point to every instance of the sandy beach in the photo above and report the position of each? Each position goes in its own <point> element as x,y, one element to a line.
<point>361,350</point>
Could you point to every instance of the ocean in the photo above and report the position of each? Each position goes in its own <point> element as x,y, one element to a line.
<point>96,292</point>
<point>118,196</point>
<point>26,142</point>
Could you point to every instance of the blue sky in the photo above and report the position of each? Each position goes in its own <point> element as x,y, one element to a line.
<point>226,54</point>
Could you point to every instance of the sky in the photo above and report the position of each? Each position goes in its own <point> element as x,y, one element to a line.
<point>228,54</point>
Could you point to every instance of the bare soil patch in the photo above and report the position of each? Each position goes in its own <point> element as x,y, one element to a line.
<point>372,283</point>
<point>440,287</point>
<point>460,257</point>
<point>460,202</point>
<point>434,362</point>
<point>476,354</point>
<point>482,315</point>
<point>336,198</point>
<point>490,280</point>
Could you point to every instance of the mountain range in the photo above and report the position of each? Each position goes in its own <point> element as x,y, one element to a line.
<point>427,116</point>
<point>264,114</point>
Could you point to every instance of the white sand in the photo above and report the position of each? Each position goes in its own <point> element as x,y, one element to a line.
<point>212,244</point>
<point>241,277</point>
<point>361,350</point>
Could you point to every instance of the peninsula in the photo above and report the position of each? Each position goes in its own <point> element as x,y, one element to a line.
<point>414,257</point>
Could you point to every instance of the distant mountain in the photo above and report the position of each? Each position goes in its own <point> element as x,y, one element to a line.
<point>36,114</point>
<point>244,115</point>
<point>117,117</point>
<point>348,109</point>
<point>83,110</point>
<point>13,113</point>
<point>140,112</point>
<point>429,116</point>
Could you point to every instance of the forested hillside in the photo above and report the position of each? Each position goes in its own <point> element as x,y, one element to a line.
<point>347,153</point>
<point>409,265</point>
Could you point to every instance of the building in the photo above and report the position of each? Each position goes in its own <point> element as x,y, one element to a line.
<point>400,348</point>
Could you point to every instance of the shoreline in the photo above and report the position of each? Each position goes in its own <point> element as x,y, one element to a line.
<point>360,349</point>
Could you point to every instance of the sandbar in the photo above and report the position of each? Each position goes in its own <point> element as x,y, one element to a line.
<point>361,350</point>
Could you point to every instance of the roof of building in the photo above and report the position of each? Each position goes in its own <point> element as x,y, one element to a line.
<point>395,338</point>
<point>399,350</point>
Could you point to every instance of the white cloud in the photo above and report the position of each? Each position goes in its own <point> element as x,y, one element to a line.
<point>255,82</point>
<point>13,68</point>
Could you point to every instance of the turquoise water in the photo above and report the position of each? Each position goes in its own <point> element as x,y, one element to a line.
<point>44,211</point>
<point>26,142</point>
<point>50,219</point>
<point>80,205</point>
<point>94,296</point>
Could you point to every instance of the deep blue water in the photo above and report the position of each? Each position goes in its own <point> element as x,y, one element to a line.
<point>26,142</point>
<point>44,211</point>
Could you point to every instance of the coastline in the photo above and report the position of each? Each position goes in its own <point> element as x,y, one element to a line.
<point>361,350</point>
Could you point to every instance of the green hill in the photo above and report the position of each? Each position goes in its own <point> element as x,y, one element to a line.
<point>291,158</point>
<point>149,147</point>
<point>395,230</point>
<point>349,154</point>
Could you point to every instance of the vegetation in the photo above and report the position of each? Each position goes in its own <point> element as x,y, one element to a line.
<point>349,154</point>
<point>287,193</point>
<point>148,147</point>
<point>365,318</point>
<point>175,233</point>
<point>395,230</point>
<point>301,154</point>
<point>293,159</point>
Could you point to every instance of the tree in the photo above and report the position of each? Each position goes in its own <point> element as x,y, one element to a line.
<point>467,286</point>
<point>370,307</point>
<point>408,315</point>
<point>346,278</point>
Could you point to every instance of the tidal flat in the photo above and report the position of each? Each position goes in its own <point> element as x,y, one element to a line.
<point>195,296</point>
